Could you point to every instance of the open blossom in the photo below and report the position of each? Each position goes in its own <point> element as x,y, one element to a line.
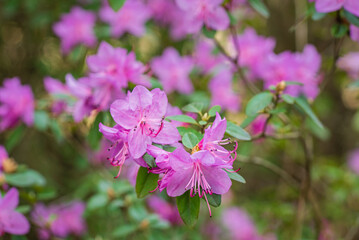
<point>76,27</point>
<point>221,87</point>
<point>334,5</point>
<point>142,114</point>
<point>299,67</point>
<point>173,71</point>
<point>204,12</point>
<point>58,90</point>
<point>11,221</point>
<point>253,50</point>
<point>130,18</point>
<point>16,104</point>
<point>59,220</point>
<point>350,64</point>
<point>110,71</point>
<point>165,210</point>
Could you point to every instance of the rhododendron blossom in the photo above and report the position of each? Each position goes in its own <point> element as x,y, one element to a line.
<point>76,27</point>
<point>165,210</point>
<point>58,90</point>
<point>16,104</point>
<point>350,64</point>
<point>11,221</point>
<point>173,71</point>
<point>334,5</point>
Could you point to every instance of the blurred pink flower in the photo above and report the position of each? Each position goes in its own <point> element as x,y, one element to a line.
<point>334,5</point>
<point>353,161</point>
<point>165,210</point>
<point>350,64</point>
<point>11,221</point>
<point>76,27</point>
<point>173,71</point>
<point>257,126</point>
<point>130,18</point>
<point>16,103</point>
<point>59,220</point>
<point>205,59</point>
<point>58,91</point>
<point>354,33</point>
<point>221,88</point>
<point>204,12</point>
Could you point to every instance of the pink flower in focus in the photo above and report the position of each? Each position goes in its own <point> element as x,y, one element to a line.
<point>353,161</point>
<point>76,27</point>
<point>165,210</point>
<point>16,103</point>
<point>130,18</point>
<point>222,94</point>
<point>59,220</point>
<point>11,221</point>
<point>239,225</point>
<point>334,5</point>
<point>350,64</point>
<point>253,50</point>
<point>173,71</point>
<point>204,12</point>
<point>58,90</point>
<point>142,114</point>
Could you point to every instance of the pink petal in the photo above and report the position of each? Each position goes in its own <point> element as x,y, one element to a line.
<point>217,179</point>
<point>123,116</point>
<point>10,201</point>
<point>328,5</point>
<point>352,6</point>
<point>139,98</point>
<point>15,223</point>
<point>178,182</point>
<point>168,135</point>
<point>137,142</point>
<point>218,19</point>
<point>180,159</point>
<point>159,103</point>
<point>205,157</point>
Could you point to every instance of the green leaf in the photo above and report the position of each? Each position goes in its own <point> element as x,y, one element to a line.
<point>188,208</point>
<point>190,140</point>
<point>116,4</point>
<point>212,112</point>
<point>202,123</point>
<point>149,160</point>
<point>351,18</point>
<point>235,176</point>
<point>259,6</point>
<point>303,104</point>
<point>95,135</point>
<point>145,182</point>
<point>23,209</point>
<point>289,83</point>
<point>182,118</point>
<point>14,137</point>
<point>248,121</point>
<point>209,33</point>
<point>183,130</point>
<point>97,201</point>
<point>124,231</point>
<point>25,179</point>
<point>155,83</point>
<point>41,120</point>
<point>236,131</point>
<point>339,30</point>
<point>288,98</point>
<point>214,200</point>
<point>258,103</point>
<point>193,107</point>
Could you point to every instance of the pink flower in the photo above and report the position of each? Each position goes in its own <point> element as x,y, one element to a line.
<point>204,12</point>
<point>353,161</point>
<point>334,5</point>
<point>130,18</point>
<point>85,102</point>
<point>222,92</point>
<point>165,210</point>
<point>75,28</point>
<point>354,33</point>
<point>257,126</point>
<point>350,64</point>
<point>58,90</point>
<point>162,10</point>
<point>239,224</point>
<point>142,115</point>
<point>198,173</point>
<point>173,71</point>
<point>213,142</point>
<point>59,220</point>
<point>253,50</point>
<point>16,103</point>
<point>110,71</point>
<point>11,221</point>
<point>204,57</point>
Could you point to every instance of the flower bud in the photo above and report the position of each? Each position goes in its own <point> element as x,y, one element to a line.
<point>205,117</point>
<point>280,87</point>
<point>9,165</point>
